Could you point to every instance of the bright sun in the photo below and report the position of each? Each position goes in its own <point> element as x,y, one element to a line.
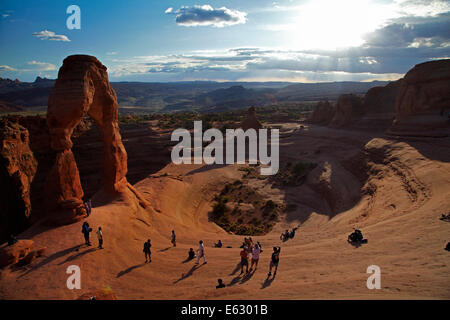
<point>332,24</point>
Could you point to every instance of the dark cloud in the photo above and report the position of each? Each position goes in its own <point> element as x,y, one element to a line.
<point>206,15</point>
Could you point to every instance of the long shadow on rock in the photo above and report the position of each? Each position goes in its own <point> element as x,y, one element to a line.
<point>267,282</point>
<point>123,272</point>
<point>234,281</point>
<point>236,269</point>
<point>78,255</point>
<point>189,273</point>
<point>247,277</point>
<point>51,258</point>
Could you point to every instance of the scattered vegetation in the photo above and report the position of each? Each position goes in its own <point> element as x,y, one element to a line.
<point>241,210</point>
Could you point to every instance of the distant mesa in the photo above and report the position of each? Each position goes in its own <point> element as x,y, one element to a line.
<point>251,121</point>
<point>17,170</point>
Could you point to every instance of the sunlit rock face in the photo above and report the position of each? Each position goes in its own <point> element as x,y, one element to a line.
<point>82,88</point>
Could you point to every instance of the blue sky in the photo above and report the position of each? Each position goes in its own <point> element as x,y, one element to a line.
<point>251,40</point>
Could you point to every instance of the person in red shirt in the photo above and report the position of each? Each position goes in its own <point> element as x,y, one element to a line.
<point>244,260</point>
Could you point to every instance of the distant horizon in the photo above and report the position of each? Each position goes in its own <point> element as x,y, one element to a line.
<point>297,41</point>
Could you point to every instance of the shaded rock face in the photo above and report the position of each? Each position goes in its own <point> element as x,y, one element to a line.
<point>23,252</point>
<point>250,121</point>
<point>379,107</point>
<point>82,88</point>
<point>349,107</point>
<point>423,101</point>
<point>322,113</point>
<point>382,99</point>
<point>17,170</point>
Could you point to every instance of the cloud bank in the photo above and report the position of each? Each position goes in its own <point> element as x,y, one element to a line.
<point>206,15</point>
<point>50,35</point>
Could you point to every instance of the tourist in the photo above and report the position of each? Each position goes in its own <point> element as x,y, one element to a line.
<point>274,261</point>
<point>201,253</point>
<point>174,239</point>
<point>255,257</point>
<point>221,284</point>
<point>244,260</point>
<point>191,254</point>
<point>86,230</point>
<point>218,244</point>
<point>147,251</point>
<point>100,238</point>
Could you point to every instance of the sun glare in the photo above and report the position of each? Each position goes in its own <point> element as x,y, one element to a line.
<point>331,24</point>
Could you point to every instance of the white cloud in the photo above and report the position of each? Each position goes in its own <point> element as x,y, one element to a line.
<point>41,66</point>
<point>169,10</point>
<point>50,35</point>
<point>6,68</point>
<point>206,15</point>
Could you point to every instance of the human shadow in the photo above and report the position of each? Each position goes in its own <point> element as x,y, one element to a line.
<point>165,249</point>
<point>267,282</point>
<point>123,272</point>
<point>247,277</point>
<point>189,273</point>
<point>187,260</point>
<point>77,255</point>
<point>234,281</point>
<point>236,269</point>
<point>51,258</point>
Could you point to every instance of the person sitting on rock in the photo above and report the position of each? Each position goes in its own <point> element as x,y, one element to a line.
<point>218,244</point>
<point>355,236</point>
<point>221,284</point>
<point>191,254</point>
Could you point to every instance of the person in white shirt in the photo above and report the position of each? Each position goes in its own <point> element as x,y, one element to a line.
<point>201,253</point>
<point>255,256</point>
<point>100,238</point>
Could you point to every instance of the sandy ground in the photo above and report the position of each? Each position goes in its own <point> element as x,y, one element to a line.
<point>394,190</point>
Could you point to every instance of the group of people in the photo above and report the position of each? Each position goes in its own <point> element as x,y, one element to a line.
<point>288,234</point>
<point>86,230</point>
<point>248,247</point>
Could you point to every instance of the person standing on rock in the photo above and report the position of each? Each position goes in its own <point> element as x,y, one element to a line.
<point>88,207</point>
<point>255,257</point>
<point>147,251</point>
<point>174,239</point>
<point>244,260</point>
<point>201,253</point>
<point>100,238</point>
<point>86,230</point>
<point>274,261</point>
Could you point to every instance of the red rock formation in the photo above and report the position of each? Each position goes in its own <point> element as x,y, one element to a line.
<point>83,88</point>
<point>250,121</point>
<point>23,252</point>
<point>322,114</point>
<point>349,107</point>
<point>423,103</point>
<point>379,108</point>
<point>17,169</point>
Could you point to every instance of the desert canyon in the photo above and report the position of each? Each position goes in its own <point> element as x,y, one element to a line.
<point>378,162</point>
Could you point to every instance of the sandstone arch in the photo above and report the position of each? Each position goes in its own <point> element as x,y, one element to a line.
<point>83,88</point>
